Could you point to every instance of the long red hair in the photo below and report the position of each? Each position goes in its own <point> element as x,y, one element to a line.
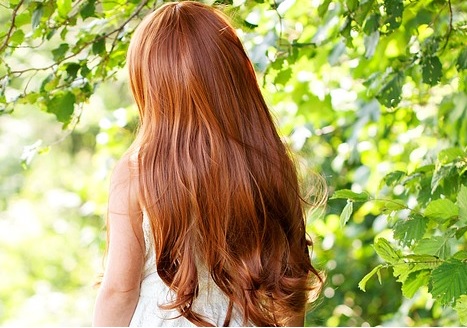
<point>215,179</point>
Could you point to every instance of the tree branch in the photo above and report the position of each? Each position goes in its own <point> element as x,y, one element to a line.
<point>12,26</point>
<point>281,32</point>
<point>84,46</point>
<point>448,35</point>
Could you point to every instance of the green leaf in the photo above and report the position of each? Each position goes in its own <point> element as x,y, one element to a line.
<point>49,84</point>
<point>431,70</point>
<point>13,3</point>
<point>345,31</point>
<point>410,230</point>
<point>352,5</point>
<point>441,210</point>
<point>390,93</point>
<point>461,309</point>
<point>460,232</point>
<point>371,42</point>
<point>60,52</point>
<point>45,82</point>
<point>461,62</point>
<point>402,270</point>
<point>84,69</point>
<point>460,255</point>
<point>283,76</point>
<point>87,90</point>
<point>17,37</point>
<point>440,175</point>
<point>372,24</point>
<point>462,204</point>
<point>62,105</point>
<point>394,10</point>
<point>63,7</point>
<point>336,53</point>
<point>278,63</point>
<point>393,205</point>
<point>22,19</point>
<point>30,98</point>
<point>413,263</point>
<point>362,283</point>
<point>425,168</point>
<point>36,16</point>
<point>346,213</point>
<point>449,281</point>
<point>107,5</point>
<point>384,249</point>
<point>437,246</point>
<point>431,260</point>
<point>72,70</point>
<point>393,178</point>
<point>414,281</point>
<point>449,155</point>
<point>323,8</point>
<point>88,10</point>
<point>349,194</point>
<point>423,16</point>
<point>63,33</point>
<point>98,46</point>
<point>362,11</point>
<point>249,25</point>
<point>431,45</point>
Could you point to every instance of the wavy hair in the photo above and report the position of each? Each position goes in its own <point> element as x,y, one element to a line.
<point>216,181</point>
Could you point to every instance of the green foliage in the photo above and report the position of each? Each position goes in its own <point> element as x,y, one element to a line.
<point>376,270</point>
<point>426,233</point>
<point>386,252</point>
<point>409,230</point>
<point>87,45</point>
<point>62,105</point>
<point>462,204</point>
<point>422,254</point>
<point>346,213</point>
<point>449,281</point>
<point>349,194</point>
<point>461,308</point>
<point>441,210</point>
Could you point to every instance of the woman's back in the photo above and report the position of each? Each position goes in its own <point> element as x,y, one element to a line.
<point>212,303</point>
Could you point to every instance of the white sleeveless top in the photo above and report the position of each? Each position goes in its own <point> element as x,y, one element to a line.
<point>211,301</point>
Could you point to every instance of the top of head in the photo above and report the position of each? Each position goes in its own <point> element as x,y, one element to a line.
<point>186,48</point>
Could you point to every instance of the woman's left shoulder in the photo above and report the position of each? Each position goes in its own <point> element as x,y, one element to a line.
<point>124,183</point>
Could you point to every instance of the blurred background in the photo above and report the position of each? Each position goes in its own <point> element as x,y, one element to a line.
<point>359,89</point>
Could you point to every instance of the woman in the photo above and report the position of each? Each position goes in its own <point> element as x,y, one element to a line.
<point>206,225</point>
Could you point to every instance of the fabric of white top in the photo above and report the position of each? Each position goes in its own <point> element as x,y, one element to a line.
<point>211,301</point>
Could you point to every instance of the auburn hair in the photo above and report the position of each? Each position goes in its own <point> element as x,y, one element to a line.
<point>215,179</point>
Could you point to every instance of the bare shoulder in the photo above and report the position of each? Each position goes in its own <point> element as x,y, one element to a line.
<point>126,169</point>
<point>124,186</point>
<point>126,247</point>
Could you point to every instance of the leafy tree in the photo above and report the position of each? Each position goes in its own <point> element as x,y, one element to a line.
<point>371,93</point>
<point>425,203</point>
